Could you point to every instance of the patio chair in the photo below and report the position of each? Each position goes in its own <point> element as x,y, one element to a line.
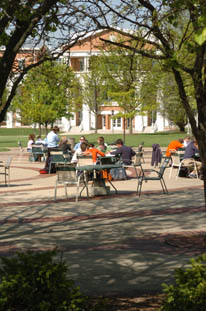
<point>158,176</point>
<point>136,163</point>
<point>68,175</point>
<point>184,164</point>
<point>38,153</point>
<point>20,146</point>
<point>140,150</point>
<point>56,157</point>
<point>6,167</point>
<point>84,160</point>
<point>175,163</point>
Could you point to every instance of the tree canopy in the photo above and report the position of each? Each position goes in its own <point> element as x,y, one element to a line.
<point>57,95</point>
<point>35,23</point>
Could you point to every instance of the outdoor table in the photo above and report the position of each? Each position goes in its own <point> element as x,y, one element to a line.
<point>98,168</point>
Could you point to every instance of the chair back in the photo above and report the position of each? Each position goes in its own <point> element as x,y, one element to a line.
<point>84,160</point>
<point>66,174</point>
<point>163,166</point>
<point>8,162</point>
<point>137,159</point>
<point>57,157</point>
<point>37,149</point>
<point>181,152</point>
<point>175,159</point>
<point>108,160</point>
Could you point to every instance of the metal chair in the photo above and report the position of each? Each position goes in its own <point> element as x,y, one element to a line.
<point>140,150</point>
<point>37,153</point>
<point>136,163</point>
<point>84,160</point>
<point>20,146</point>
<point>175,163</point>
<point>68,175</point>
<point>56,157</point>
<point>184,164</point>
<point>158,176</point>
<point>6,172</point>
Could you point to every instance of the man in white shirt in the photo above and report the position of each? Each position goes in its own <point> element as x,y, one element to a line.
<point>52,139</point>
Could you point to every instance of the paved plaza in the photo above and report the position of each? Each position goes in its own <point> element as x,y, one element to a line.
<point>112,244</point>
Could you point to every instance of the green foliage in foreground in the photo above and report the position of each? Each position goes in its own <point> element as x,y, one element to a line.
<point>189,291</point>
<point>35,281</point>
<point>10,137</point>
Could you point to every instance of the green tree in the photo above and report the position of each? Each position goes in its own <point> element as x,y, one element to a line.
<point>154,24</point>
<point>121,76</point>
<point>35,23</point>
<point>94,87</point>
<point>48,93</point>
<point>171,105</point>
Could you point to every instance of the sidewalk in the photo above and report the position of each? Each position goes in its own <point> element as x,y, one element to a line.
<point>113,244</point>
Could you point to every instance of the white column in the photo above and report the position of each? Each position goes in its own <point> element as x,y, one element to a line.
<point>86,118</point>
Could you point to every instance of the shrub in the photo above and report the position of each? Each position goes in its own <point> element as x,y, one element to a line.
<point>35,282</point>
<point>189,291</point>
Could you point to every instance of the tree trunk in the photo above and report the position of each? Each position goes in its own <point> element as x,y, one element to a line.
<point>130,126</point>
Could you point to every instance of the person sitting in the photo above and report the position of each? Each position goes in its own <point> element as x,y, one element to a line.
<point>174,145</point>
<point>82,140</point>
<point>95,152</point>
<point>31,141</point>
<point>52,139</point>
<point>65,147</point>
<point>186,141</point>
<point>126,153</point>
<point>80,151</point>
<point>101,144</point>
<point>190,152</point>
<point>40,141</point>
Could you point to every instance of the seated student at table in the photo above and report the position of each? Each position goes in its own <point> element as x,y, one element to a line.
<point>190,151</point>
<point>102,146</point>
<point>40,141</point>
<point>126,153</point>
<point>52,139</point>
<point>95,152</point>
<point>81,140</point>
<point>64,145</point>
<point>174,145</point>
<point>80,151</point>
<point>186,141</point>
<point>31,141</point>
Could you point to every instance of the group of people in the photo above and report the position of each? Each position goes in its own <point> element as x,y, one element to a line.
<point>83,147</point>
<point>190,147</point>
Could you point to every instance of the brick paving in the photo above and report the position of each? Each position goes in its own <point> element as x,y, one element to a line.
<point>112,244</point>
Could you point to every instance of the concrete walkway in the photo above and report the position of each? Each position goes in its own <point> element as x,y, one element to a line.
<point>114,244</point>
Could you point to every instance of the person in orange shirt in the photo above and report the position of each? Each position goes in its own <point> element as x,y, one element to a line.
<point>95,152</point>
<point>174,145</point>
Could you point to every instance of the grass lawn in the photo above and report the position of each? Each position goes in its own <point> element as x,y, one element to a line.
<point>10,137</point>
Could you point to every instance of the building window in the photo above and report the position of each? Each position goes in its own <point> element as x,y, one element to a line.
<point>81,65</point>
<point>128,123</point>
<point>104,121</point>
<point>116,122</point>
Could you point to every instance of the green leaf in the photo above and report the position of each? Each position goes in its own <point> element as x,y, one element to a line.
<point>200,38</point>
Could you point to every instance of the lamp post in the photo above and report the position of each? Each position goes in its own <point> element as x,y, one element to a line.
<point>112,122</point>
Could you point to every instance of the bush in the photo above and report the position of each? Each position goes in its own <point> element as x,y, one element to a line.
<point>189,291</point>
<point>35,282</point>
